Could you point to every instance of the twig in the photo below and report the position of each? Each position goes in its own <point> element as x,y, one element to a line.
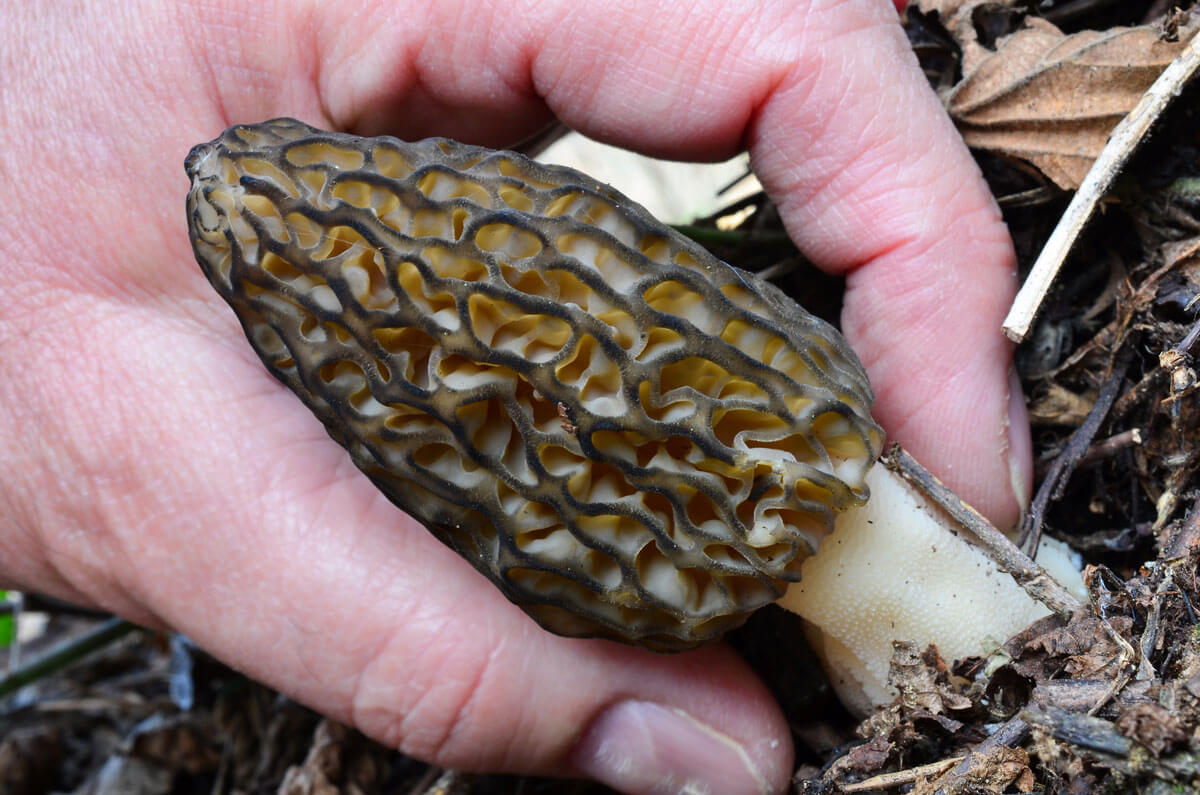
<point>1187,538</point>
<point>1137,394</point>
<point>1073,453</point>
<point>65,654</point>
<point>1029,575</point>
<point>1029,198</point>
<point>1177,483</point>
<point>1125,138</point>
<point>1184,348</point>
<point>1012,733</point>
<point>1086,731</point>
<point>1107,448</point>
<point>1177,362</point>
<point>888,780</point>
<point>1128,655</point>
<point>1149,641</point>
<point>778,269</point>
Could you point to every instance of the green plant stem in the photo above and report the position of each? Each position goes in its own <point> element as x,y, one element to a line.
<point>706,234</point>
<point>64,654</point>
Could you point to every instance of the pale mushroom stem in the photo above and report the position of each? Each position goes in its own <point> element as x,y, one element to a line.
<point>898,568</point>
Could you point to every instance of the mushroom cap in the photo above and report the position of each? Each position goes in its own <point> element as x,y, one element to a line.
<point>631,438</point>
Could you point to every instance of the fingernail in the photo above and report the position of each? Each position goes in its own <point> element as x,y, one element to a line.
<point>1020,446</point>
<point>641,747</point>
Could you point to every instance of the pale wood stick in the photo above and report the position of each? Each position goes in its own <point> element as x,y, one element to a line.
<point>900,777</point>
<point>1128,134</point>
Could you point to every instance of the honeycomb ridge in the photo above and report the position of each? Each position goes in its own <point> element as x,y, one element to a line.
<point>631,438</point>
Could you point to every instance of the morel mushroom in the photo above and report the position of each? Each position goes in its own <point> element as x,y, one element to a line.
<point>632,439</point>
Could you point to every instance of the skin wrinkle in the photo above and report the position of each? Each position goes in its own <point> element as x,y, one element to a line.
<point>417,612</point>
<point>22,414</point>
<point>807,183</point>
<point>305,655</point>
<point>670,68</point>
<point>523,723</point>
<point>120,527</point>
<point>788,66</point>
<point>515,46</point>
<point>833,215</point>
<point>130,535</point>
<point>807,67</point>
<point>902,275</point>
<point>436,716</point>
<point>366,709</point>
<point>913,298</point>
<point>310,55</point>
<point>603,111</point>
<point>47,576</point>
<point>331,33</point>
<point>197,316</point>
<point>315,615</point>
<point>73,556</point>
<point>461,52</point>
<point>959,381</point>
<point>477,696</point>
<point>367,654</point>
<point>844,201</point>
<point>231,70</point>
<point>729,65</point>
<point>961,353</point>
<point>569,91</point>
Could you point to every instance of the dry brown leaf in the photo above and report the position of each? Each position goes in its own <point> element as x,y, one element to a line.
<point>1152,725</point>
<point>921,678</point>
<point>1084,649</point>
<point>955,16</point>
<point>1057,405</point>
<point>175,743</point>
<point>861,761</point>
<point>1052,99</point>
<point>29,760</point>
<point>336,764</point>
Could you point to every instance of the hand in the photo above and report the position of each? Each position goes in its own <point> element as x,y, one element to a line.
<point>149,465</point>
